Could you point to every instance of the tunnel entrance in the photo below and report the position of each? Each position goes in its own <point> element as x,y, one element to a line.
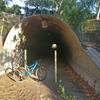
<point>40,40</point>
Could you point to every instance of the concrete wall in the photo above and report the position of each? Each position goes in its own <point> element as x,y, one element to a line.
<point>80,62</point>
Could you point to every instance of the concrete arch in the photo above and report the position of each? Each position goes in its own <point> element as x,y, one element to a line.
<point>42,24</point>
<point>34,23</point>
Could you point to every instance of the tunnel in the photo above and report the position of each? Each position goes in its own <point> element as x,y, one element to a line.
<point>41,31</point>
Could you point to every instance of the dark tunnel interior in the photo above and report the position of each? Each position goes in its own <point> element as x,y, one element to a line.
<point>39,44</point>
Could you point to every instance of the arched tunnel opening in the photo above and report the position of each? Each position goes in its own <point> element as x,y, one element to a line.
<point>39,44</point>
<point>41,31</point>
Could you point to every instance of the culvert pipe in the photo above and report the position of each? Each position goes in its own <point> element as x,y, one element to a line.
<point>41,31</point>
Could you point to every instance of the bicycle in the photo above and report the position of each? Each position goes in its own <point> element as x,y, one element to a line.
<point>35,71</point>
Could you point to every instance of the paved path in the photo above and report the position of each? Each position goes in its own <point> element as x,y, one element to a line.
<point>71,88</point>
<point>94,55</point>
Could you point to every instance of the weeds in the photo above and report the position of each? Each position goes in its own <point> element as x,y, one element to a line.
<point>61,91</point>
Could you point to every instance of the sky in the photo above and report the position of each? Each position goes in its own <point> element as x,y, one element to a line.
<point>19,2</point>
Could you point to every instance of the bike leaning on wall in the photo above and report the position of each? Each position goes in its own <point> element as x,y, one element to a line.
<point>35,71</point>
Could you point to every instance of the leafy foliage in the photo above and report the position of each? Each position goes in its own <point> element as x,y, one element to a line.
<point>15,9</point>
<point>61,91</point>
<point>76,12</point>
<point>2,5</point>
<point>73,12</point>
<point>39,3</point>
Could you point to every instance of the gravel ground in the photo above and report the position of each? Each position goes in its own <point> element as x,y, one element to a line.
<point>31,89</point>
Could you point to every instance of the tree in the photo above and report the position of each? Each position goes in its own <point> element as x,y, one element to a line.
<point>2,5</point>
<point>40,5</point>
<point>9,10</point>
<point>15,9</point>
<point>98,10</point>
<point>73,12</point>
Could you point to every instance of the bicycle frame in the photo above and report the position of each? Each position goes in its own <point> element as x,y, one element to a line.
<point>31,68</point>
<point>34,70</point>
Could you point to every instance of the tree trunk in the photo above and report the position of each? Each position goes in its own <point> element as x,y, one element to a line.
<point>98,14</point>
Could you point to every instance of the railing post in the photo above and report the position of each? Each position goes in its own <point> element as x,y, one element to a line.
<point>54,46</point>
<point>25,58</point>
<point>2,28</point>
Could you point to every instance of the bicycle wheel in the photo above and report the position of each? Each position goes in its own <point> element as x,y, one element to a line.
<point>9,73</point>
<point>41,73</point>
<point>19,74</point>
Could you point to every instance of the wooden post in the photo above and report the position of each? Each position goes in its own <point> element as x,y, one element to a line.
<point>54,46</point>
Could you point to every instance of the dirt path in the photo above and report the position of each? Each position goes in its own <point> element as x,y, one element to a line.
<point>27,90</point>
<point>30,89</point>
